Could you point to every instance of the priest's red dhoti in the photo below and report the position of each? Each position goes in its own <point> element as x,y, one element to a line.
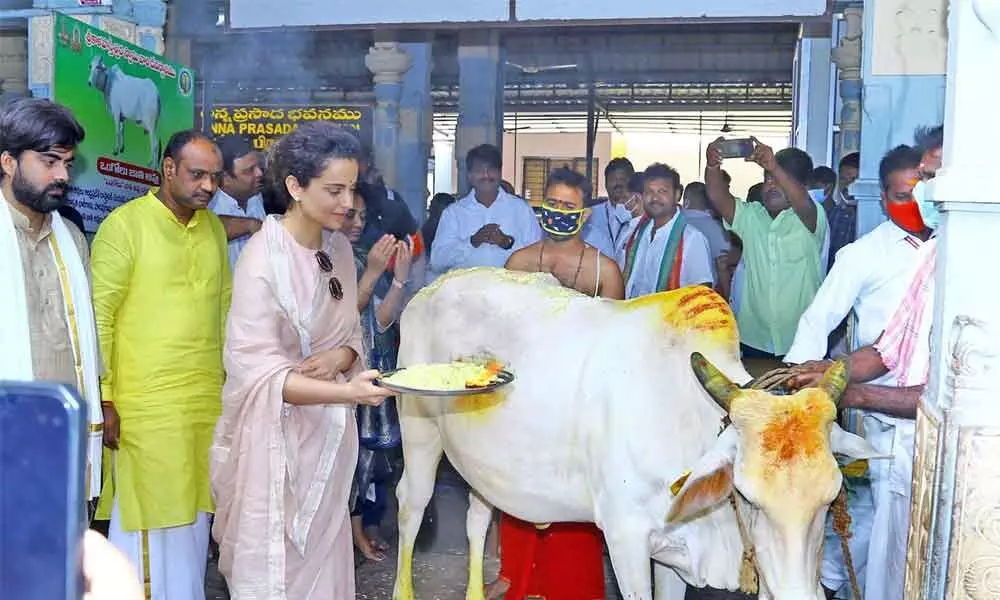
<point>564,561</point>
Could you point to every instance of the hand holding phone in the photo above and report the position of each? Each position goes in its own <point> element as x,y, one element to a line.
<point>738,148</point>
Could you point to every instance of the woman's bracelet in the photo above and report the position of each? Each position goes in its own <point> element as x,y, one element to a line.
<point>398,284</point>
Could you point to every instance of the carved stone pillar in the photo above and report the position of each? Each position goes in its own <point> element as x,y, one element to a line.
<point>954,547</point>
<point>388,63</point>
<point>847,56</point>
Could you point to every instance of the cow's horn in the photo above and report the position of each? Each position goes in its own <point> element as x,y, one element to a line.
<point>715,383</point>
<point>835,380</point>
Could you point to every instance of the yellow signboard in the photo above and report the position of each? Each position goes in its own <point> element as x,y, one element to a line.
<point>262,125</point>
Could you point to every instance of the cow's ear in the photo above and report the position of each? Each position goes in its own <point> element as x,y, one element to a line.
<point>853,446</point>
<point>702,493</point>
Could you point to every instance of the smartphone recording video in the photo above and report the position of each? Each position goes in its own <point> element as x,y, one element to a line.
<point>738,148</point>
<point>42,511</point>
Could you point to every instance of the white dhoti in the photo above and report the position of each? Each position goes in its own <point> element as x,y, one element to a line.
<point>171,562</point>
<point>891,483</point>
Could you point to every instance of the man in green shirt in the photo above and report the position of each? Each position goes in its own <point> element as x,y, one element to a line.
<point>782,242</point>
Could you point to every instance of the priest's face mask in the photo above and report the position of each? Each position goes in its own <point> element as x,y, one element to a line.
<point>39,180</point>
<point>562,213</point>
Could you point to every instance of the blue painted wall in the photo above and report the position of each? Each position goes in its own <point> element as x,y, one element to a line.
<point>892,107</point>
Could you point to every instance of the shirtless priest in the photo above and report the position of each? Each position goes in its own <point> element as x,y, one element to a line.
<point>564,561</point>
<point>562,252</point>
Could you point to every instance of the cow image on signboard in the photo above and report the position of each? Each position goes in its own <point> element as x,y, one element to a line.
<point>128,99</point>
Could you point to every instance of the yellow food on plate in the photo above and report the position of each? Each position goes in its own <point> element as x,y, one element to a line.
<point>445,377</point>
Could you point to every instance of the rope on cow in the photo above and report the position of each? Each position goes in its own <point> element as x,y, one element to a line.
<point>773,380</point>
<point>842,527</point>
<point>749,573</point>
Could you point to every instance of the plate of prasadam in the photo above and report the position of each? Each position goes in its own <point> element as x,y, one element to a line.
<point>457,378</point>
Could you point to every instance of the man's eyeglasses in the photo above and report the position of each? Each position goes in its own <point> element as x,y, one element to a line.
<point>326,266</point>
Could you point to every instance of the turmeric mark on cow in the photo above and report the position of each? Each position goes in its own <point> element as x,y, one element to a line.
<point>697,293</point>
<point>479,402</point>
<point>796,431</point>
<point>705,306</point>
<point>695,308</point>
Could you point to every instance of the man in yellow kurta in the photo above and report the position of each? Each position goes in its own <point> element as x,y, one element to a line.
<point>161,293</point>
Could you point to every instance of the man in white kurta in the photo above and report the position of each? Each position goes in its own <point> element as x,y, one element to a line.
<point>868,280</point>
<point>46,316</point>
<point>486,226</point>
<point>689,262</point>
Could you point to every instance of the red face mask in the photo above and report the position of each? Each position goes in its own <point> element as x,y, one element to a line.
<point>906,215</point>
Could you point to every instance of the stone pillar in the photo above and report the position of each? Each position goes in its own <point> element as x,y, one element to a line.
<point>387,62</point>
<point>813,96</point>
<point>480,101</point>
<point>954,544</point>
<point>416,116</point>
<point>847,56</point>
<point>904,47</point>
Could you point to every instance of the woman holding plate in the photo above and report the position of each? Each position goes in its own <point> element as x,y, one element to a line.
<point>285,448</point>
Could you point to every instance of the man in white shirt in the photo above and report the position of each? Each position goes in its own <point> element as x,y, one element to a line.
<point>870,277</point>
<point>486,226</point>
<point>664,253</point>
<point>903,351</point>
<point>610,218</point>
<point>238,202</point>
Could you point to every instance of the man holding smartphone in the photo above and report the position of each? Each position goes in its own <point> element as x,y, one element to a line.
<point>783,239</point>
<point>46,317</point>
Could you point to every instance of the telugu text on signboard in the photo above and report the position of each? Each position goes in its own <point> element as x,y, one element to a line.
<point>129,101</point>
<point>262,125</point>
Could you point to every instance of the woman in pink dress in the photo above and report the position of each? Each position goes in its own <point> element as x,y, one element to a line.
<point>286,445</point>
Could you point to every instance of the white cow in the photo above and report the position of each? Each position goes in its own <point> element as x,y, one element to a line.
<point>604,415</point>
<point>129,99</point>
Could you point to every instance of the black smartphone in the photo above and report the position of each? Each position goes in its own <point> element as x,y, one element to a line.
<point>42,510</point>
<point>738,148</point>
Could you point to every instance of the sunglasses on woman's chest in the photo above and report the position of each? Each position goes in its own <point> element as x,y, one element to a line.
<point>326,266</point>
